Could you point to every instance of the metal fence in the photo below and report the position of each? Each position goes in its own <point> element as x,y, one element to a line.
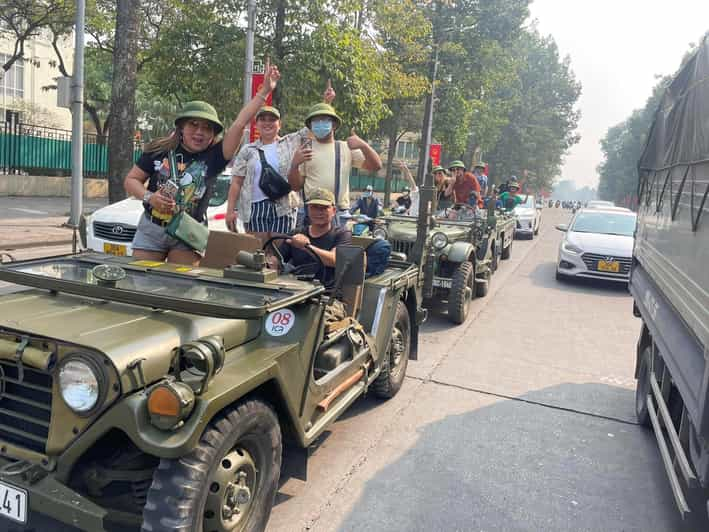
<point>41,150</point>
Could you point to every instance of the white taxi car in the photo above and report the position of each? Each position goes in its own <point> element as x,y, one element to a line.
<point>111,228</point>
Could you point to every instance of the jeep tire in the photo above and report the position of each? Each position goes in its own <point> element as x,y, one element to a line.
<point>396,359</point>
<point>507,252</point>
<point>229,480</point>
<point>461,292</point>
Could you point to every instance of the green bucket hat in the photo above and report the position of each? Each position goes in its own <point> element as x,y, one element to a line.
<point>322,109</point>
<point>200,109</point>
<point>269,109</point>
<point>456,164</point>
<point>438,169</point>
<point>481,164</point>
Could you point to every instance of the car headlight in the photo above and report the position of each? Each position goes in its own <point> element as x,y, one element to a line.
<point>80,384</point>
<point>570,248</point>
<point>439,240</point>
<point>380,232</point>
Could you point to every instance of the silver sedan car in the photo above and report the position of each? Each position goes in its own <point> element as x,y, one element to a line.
<point>598,244</point>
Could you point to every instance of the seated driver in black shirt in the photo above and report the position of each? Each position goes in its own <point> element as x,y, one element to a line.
<point>321,237</point>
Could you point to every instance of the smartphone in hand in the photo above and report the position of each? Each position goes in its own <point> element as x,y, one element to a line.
<point>306,143</point>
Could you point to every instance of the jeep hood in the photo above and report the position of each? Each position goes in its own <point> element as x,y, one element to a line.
<point>404,231</point>
<point>122,332</point>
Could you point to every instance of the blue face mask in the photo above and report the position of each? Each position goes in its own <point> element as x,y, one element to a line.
<point>321,128</point>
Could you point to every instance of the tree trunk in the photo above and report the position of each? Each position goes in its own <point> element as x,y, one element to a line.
<point>123,112</point>
<point>393,141</point>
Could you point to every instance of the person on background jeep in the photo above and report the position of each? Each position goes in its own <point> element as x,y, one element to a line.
<point>479,173</point>
<point>463,186</point>
<point>320,238</point>
<point>511,198</point>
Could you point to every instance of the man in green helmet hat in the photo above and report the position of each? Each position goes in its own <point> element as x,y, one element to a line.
<point>479,173</point>
<point>316,167</point>
<point>464,188</point>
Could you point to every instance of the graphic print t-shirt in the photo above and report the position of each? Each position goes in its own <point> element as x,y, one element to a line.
<point>196,175</point>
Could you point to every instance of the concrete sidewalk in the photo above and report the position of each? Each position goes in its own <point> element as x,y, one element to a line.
<point>19,233</point>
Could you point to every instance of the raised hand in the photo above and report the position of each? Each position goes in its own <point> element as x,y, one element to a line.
<point>271,76</point>
<point>329,94</point>
<point>354,142</point>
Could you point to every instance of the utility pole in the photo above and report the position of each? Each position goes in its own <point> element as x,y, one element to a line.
<point>249,62</point>
<point>77,123</point>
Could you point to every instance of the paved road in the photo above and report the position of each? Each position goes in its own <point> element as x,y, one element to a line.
<point>520,419</point>
<point>33,208</point>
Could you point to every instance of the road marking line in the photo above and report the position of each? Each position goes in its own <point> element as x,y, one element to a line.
<point>28,211</point>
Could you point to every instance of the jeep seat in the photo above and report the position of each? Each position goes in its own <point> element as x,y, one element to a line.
<point>224,246</point>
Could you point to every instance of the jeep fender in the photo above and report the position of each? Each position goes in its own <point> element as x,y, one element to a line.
<point>460,252</point>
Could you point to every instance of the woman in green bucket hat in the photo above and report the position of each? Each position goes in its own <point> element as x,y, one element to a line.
<point>200,156</point>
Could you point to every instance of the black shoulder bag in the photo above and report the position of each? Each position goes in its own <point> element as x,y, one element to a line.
<point>273,184</point>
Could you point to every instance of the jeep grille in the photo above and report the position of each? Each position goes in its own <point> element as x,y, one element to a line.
<point>401,246</point>
<point>25,406</point>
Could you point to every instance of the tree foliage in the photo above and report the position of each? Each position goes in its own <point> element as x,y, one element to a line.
<point>622,146</point>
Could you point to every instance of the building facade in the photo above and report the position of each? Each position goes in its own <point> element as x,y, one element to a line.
<point>24,96</point>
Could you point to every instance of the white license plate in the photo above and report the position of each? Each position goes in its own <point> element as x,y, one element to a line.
<point>13,503</point>
<point>442,283</point>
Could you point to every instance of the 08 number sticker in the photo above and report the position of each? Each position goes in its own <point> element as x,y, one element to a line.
<point>280,322</point>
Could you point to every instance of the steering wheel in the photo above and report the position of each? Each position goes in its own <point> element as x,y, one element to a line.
<point>301,272</point>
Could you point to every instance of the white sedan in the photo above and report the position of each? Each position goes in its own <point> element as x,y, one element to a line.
<point>598,244</point>
<point>529,217</point>
<point>111,228</point>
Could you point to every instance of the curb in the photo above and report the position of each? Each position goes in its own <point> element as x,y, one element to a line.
<point>9,246</point>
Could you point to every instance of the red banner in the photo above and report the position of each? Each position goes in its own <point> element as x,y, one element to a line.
<point>435,152</point>
<point>256,84</point>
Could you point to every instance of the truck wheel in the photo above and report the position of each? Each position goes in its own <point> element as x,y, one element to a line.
<point>396,359</point>
<point>642,388</point>
<point>461,292</point>
<point>507,252</point>
<point>229,480</point>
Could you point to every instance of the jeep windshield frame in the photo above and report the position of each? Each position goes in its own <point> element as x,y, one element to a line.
<point>185,289</point>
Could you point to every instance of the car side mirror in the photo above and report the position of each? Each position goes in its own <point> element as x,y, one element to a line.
<point>562,227</point>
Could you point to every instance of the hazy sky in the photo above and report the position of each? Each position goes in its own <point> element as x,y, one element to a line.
<point>616,48</point>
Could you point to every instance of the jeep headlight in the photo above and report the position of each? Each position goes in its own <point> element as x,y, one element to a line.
<point>79,384</point>
<point>380,232</point>
<point>439,240</point>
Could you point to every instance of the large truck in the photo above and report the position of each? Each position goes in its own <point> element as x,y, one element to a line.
<point>670,280</point>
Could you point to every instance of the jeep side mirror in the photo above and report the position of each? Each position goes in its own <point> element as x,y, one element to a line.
<point>562,227</point>
<point>349,265</point>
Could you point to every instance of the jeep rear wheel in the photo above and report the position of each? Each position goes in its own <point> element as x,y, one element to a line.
<point>389,381</point>
<point>229,480</point>
<point>461,292</point>
<point>507,251</point>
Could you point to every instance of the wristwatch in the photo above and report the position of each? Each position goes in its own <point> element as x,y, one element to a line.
<point>146,197</point>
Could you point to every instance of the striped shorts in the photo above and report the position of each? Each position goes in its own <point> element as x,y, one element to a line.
<point>264,219</point>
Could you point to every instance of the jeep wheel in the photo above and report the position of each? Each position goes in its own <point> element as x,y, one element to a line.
<point>507,252</point>
<point>495,261</point>
<point>461,292</point>
<point>481,289</point>
<point>229,480</point>
<point>396,359</point>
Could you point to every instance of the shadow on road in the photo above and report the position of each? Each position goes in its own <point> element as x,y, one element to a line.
<point>516,466</point>
<point>544,275</point>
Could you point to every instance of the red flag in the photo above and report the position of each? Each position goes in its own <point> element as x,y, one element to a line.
<point>435,152</point>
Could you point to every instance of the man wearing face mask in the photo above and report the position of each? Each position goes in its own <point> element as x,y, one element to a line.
<point>317,167</point>
<point>367,204</point>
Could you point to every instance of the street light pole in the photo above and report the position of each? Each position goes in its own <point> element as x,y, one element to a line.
<point>249,62</point>
<point>77,123</point>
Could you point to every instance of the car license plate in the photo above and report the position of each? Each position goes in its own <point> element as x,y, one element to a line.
<point>442,283</point>
<point>13,503</point>
<point>115,249</point>
<point>609,266</point>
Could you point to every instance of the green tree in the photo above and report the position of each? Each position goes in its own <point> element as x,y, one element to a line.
<point>542,121</point>
<point>622,146</point>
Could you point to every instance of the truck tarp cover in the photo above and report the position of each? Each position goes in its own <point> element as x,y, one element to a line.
<point>680,132</point>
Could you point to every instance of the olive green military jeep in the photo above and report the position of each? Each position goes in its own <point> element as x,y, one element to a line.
<point>141,394</point>
<point>462,251</point>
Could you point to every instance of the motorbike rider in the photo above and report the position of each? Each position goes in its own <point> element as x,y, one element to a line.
<point>367,205</point>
